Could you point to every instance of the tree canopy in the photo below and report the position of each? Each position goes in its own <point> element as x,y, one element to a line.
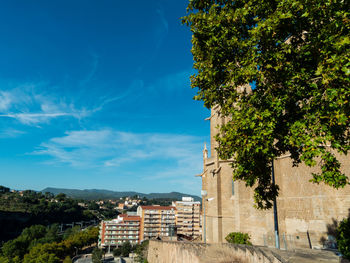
<point>295,56</point>
<point>40,244</point>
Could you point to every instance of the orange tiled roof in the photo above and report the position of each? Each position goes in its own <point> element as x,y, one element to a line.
<point>157,207</point>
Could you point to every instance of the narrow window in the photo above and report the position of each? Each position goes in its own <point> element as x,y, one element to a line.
<point>233,187</point>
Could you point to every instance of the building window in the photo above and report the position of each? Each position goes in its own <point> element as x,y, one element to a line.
<point>233,187</point>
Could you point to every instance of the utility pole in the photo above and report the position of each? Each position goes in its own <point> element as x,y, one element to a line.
<point>275,216</point>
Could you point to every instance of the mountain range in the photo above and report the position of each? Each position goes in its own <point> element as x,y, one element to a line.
<point>97,194</point>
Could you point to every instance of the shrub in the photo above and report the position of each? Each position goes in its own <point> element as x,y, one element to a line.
<point>67,260</point>
<point>238,238</point>
<point>343,238</point>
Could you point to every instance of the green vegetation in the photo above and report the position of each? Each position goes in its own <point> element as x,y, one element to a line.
<point>126,248</point>
<point>95,194</point>
<point>343,237</point>
<point>40,244</point>
<point>141,250</point>
<point>97,255</point>
<point>158,201</point>
<point>67,260</point>
<point>23,209</point>
<point>295,56</point>
<point>238,238</point>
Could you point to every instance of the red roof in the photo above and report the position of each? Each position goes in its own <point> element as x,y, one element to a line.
<point>129,218</point>
<point>157,207</point>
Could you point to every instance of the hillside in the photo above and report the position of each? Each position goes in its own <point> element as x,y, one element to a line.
<point>96,194</point>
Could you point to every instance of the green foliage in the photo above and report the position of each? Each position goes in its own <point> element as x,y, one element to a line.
<point>238,238</point>
<point>30,237</point>
<point>4,189</point>
<point>94,194</point>
<point>42,253</point>
<point>124,250</point>
<point>343,238</point>
<point>20,210</point>
<point>97,255</point>
<point>71,231</point>
<point>295,55</point>
<point>38,244</point>
<point>141,251</point>
<point>67,260</point>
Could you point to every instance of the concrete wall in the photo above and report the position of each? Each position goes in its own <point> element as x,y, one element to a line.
<point>186,252</point>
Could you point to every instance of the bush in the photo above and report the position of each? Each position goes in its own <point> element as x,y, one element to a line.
<point>67,260</point>
<point>343,238</point>
<point>238,238</point>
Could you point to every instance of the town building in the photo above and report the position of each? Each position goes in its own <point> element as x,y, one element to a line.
<point>121,206</point>
<point>157,221</point>
<point>125,228</point>
<point>307,212</point>
<point>188,217</point>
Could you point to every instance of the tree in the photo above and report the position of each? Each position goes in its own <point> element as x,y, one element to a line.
<point>343,237</point>
<point>42,253</point>
<point>4,189</point>
<point>141,250</point>
<point>280,72</point>
<point>61,197</point>
<point>97,255</point>
<point>124,250</point>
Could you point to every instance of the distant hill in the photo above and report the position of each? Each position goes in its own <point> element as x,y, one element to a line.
<point>94,194</point>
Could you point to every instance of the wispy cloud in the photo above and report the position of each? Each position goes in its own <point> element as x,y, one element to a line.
<point>28,105</point>
<point>112,148</point>
<point>10,133</point>
<point>159,34</point>
<point>163,28</point>
<point>92,72</point>
<point>5,100</point>
<point>174,83</point>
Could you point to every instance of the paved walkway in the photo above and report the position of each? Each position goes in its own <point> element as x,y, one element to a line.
<point>305,256</point>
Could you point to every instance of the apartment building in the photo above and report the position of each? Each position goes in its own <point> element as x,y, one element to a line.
<point>117,231</point>
<point>188,217</point>
<point>156,221</point>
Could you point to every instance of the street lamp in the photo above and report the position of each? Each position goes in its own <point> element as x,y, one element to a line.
<point>204,193</point>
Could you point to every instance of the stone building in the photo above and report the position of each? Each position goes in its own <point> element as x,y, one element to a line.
<point>307,212</point>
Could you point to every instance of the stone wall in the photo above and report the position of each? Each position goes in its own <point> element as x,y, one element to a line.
<point>186,252</point>
<point>307,213</point>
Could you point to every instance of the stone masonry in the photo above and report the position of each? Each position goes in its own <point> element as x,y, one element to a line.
<point>307,212</point>
<point>187,252</point>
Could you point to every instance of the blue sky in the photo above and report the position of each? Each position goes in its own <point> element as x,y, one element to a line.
<point>96,94</point>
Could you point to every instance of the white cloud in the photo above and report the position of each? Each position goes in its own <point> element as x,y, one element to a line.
<point>5,100</point>
<point>10,133</point>
<point>29,106</point>
<point>114,149</point>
